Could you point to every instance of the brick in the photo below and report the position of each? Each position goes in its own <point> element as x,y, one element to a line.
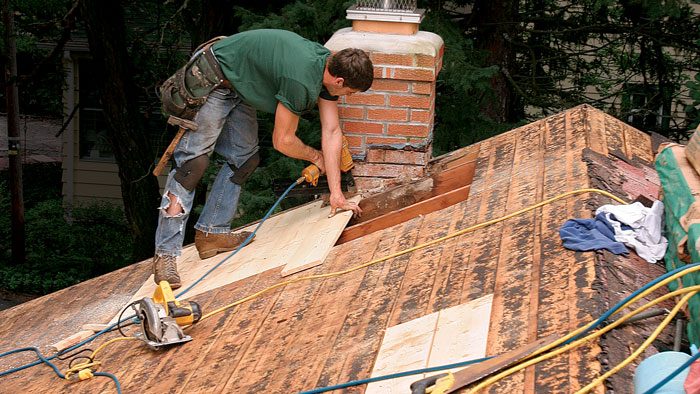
<point>393,156</point>
<point>425,61</point>
<point>363,127</point>
<point>353,140</point>
<point>387,170</point>
<point>376,140</point>
<point>421,102</point>
<point>379,72</point>
<point>368,183</point>
<point>392,59</point>
<point>413,74</point>
<point>409,130</point>
<point>351,112</point>
<point>421,116</point>
<point>422,87</point>
<point>389,85</point>
<point>387,114</point>
<point>366,99</point>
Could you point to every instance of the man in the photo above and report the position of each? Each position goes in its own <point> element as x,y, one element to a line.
<point>274,71</point>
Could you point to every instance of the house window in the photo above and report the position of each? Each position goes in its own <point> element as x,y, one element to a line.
<point>643,107</point>
<point>94,141</point>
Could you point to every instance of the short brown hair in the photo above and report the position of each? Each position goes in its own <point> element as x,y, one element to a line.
<point>354,66</point>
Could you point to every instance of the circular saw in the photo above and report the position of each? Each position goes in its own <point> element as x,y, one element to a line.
<point>163,316</point>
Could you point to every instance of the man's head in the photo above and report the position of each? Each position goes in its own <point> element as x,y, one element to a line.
<point>349,71</point>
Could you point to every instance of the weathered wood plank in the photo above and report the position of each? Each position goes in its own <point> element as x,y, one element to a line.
<point>399,216</point>
<point>307,352</point>
<point>354,350</point>
<point>454,178</point>
<point>395,198</point>
<point>486,202</point>
<point>639,143</point>
<point>512,298</point>
<point>416,287</point>
<point>595,130</point>
<point>615,136</point>
<point>583,362</point>
<point>449,277</point>
<point>553,267</point>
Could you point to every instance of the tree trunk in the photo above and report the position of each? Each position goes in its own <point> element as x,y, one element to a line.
<point>216,19</point>
<point>14,150</point>
<point>106,36</point>
<point>495,22</point>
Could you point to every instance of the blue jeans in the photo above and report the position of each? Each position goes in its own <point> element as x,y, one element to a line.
<point>229,127</point>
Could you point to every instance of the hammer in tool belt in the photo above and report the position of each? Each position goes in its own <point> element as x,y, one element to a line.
<point>184,125</point>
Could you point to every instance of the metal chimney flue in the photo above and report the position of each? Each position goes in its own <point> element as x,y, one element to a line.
<point>386,16</point>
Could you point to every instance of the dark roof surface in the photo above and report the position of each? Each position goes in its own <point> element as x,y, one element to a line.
<point>328,331</point>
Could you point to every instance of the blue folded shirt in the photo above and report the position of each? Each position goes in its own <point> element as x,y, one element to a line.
<point>591,234</point>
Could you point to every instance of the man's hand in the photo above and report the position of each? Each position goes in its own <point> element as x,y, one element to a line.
<point>338,201</point>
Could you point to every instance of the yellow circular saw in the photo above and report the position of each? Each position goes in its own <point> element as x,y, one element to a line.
<point>163,316</point>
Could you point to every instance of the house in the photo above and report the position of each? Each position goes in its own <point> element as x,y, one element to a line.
<point>326,331</point>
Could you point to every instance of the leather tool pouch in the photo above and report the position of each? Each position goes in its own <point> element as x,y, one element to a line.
<point>185,91</point>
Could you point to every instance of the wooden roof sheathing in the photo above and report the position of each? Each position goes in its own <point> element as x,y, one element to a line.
<point>324,332</point>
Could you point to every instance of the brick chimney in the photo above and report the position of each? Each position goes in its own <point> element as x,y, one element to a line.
<point>390,127</point>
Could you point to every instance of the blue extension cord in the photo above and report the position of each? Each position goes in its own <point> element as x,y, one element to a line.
<point>619,305</point>
<point>597,323</point>
<point>46,360</point>
<point>245,242</point>
<point>394,375</point>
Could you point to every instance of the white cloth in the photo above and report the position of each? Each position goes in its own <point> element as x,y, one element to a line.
<point>646,223</point>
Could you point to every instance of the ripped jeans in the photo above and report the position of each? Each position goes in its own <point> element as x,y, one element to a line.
<point>229,127</point>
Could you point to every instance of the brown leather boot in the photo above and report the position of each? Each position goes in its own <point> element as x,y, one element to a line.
<point>210,244</point>
<point>165,268</point>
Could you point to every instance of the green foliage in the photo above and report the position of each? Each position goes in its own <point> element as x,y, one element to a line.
<point>316,20</point>
<point>61,250</point>
<point>693,110</point>
<point>463,86</point>
<point>37,23</point>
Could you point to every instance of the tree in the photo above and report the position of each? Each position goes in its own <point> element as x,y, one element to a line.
<point>106,35</point>
<point>629,57</point>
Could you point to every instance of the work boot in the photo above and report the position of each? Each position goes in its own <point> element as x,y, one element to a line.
<point>165,268</point>
<point>209,244</point>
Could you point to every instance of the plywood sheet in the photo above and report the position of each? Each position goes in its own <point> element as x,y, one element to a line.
<point>448,336</point>
<point>299,238</point>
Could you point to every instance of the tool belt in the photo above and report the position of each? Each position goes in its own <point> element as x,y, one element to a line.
<point>186,91</point>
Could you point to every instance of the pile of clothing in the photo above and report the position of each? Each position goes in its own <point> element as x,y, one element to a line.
<point>617,228</point>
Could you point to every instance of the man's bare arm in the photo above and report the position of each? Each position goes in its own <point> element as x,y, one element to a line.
<point>285,140</point>
<point>332,141</point>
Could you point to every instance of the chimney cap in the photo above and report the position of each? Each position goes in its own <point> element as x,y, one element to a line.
<point>405,15</point>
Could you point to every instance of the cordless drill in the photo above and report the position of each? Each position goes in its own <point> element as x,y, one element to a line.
<point>311,173</point>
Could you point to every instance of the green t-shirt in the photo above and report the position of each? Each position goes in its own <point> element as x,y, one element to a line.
<point>270,66</point>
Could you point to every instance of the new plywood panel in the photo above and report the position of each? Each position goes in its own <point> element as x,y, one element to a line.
<point>313,248</point>
<point>448,336</point>
<point>301,237</point>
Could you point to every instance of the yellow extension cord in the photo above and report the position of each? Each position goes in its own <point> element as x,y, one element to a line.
<point>414,248</point>
<point>93,364</point>
<point>644,345</point>
<point>391,256</point>
<point>690,290</point>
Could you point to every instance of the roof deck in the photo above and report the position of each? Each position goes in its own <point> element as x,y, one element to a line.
<point>327,331</point>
